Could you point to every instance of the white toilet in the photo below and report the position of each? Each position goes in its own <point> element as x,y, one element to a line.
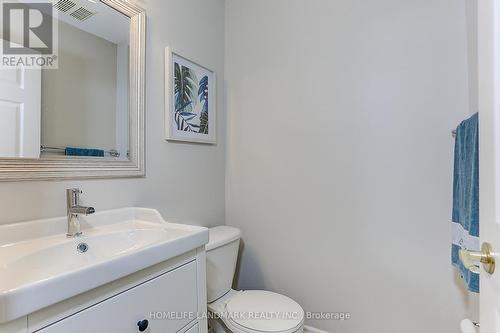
<point>249,311</point>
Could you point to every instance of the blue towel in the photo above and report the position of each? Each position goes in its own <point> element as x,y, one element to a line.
<point>71,151</point>
<point>465,215</point>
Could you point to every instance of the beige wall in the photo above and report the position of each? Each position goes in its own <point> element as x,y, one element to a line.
<point>79,98</point>
<point>340,161</point>
<point>183,180</point>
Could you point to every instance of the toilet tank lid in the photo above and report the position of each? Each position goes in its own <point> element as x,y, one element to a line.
<point>221,235</point>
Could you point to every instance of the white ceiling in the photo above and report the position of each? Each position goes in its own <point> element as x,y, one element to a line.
<point>106,23</point>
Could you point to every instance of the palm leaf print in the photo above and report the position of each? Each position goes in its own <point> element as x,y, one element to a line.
<point>203,96</point>
<point>185,85</point>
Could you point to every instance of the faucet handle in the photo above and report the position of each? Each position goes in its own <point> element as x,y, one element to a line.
<point>73,196</point>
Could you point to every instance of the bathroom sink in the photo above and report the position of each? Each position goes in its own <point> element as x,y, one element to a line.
<point>40,266</point>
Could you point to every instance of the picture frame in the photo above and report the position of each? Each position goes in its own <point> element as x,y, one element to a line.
<point>190,100</point>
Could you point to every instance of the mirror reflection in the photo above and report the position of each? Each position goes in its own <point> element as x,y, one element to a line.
<point>81,108</point>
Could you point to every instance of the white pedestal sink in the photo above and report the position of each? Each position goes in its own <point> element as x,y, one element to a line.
<point>40,266</point>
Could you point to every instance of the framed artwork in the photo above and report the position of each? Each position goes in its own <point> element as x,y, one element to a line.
<point>190,95</point>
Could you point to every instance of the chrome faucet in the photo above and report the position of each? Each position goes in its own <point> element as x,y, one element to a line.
<point>74,209</point>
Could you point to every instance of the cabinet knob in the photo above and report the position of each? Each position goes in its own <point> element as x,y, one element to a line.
<point>143,325</point>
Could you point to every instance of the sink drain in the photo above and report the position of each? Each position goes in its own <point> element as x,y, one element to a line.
<point>82,247</point>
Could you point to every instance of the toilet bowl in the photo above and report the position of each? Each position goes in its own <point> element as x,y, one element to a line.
<point>248,311</point>
<point>256,311</point>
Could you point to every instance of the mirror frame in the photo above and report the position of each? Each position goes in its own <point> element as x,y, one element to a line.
<point>14,169</point>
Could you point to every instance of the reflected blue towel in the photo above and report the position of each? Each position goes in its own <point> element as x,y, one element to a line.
<point>71,151</point>
<point>465,215</point>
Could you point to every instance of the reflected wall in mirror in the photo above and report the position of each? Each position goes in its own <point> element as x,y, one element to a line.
<point>85,100</point>
<point>79,108</point>
<point>84,118</point>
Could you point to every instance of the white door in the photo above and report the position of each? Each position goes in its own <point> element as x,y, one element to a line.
<point>20,112</point>
<point>489,157</point>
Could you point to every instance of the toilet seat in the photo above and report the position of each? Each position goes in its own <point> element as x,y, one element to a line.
<point>259,311</point>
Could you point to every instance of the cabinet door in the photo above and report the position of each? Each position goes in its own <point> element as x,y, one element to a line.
<point>168,303</point>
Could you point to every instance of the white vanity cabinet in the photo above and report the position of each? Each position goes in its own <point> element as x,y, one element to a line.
<point>166,298</point>
<point>130,271</point>
<point>172,292</point>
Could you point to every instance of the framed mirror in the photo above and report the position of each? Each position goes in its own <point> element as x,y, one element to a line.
<point>83,118</point>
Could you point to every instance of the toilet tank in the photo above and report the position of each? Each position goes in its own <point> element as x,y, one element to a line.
<point>222,254</point>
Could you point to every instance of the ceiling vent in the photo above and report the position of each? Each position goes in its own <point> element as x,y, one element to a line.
<point>64,5</point>
<point>82,14</point>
